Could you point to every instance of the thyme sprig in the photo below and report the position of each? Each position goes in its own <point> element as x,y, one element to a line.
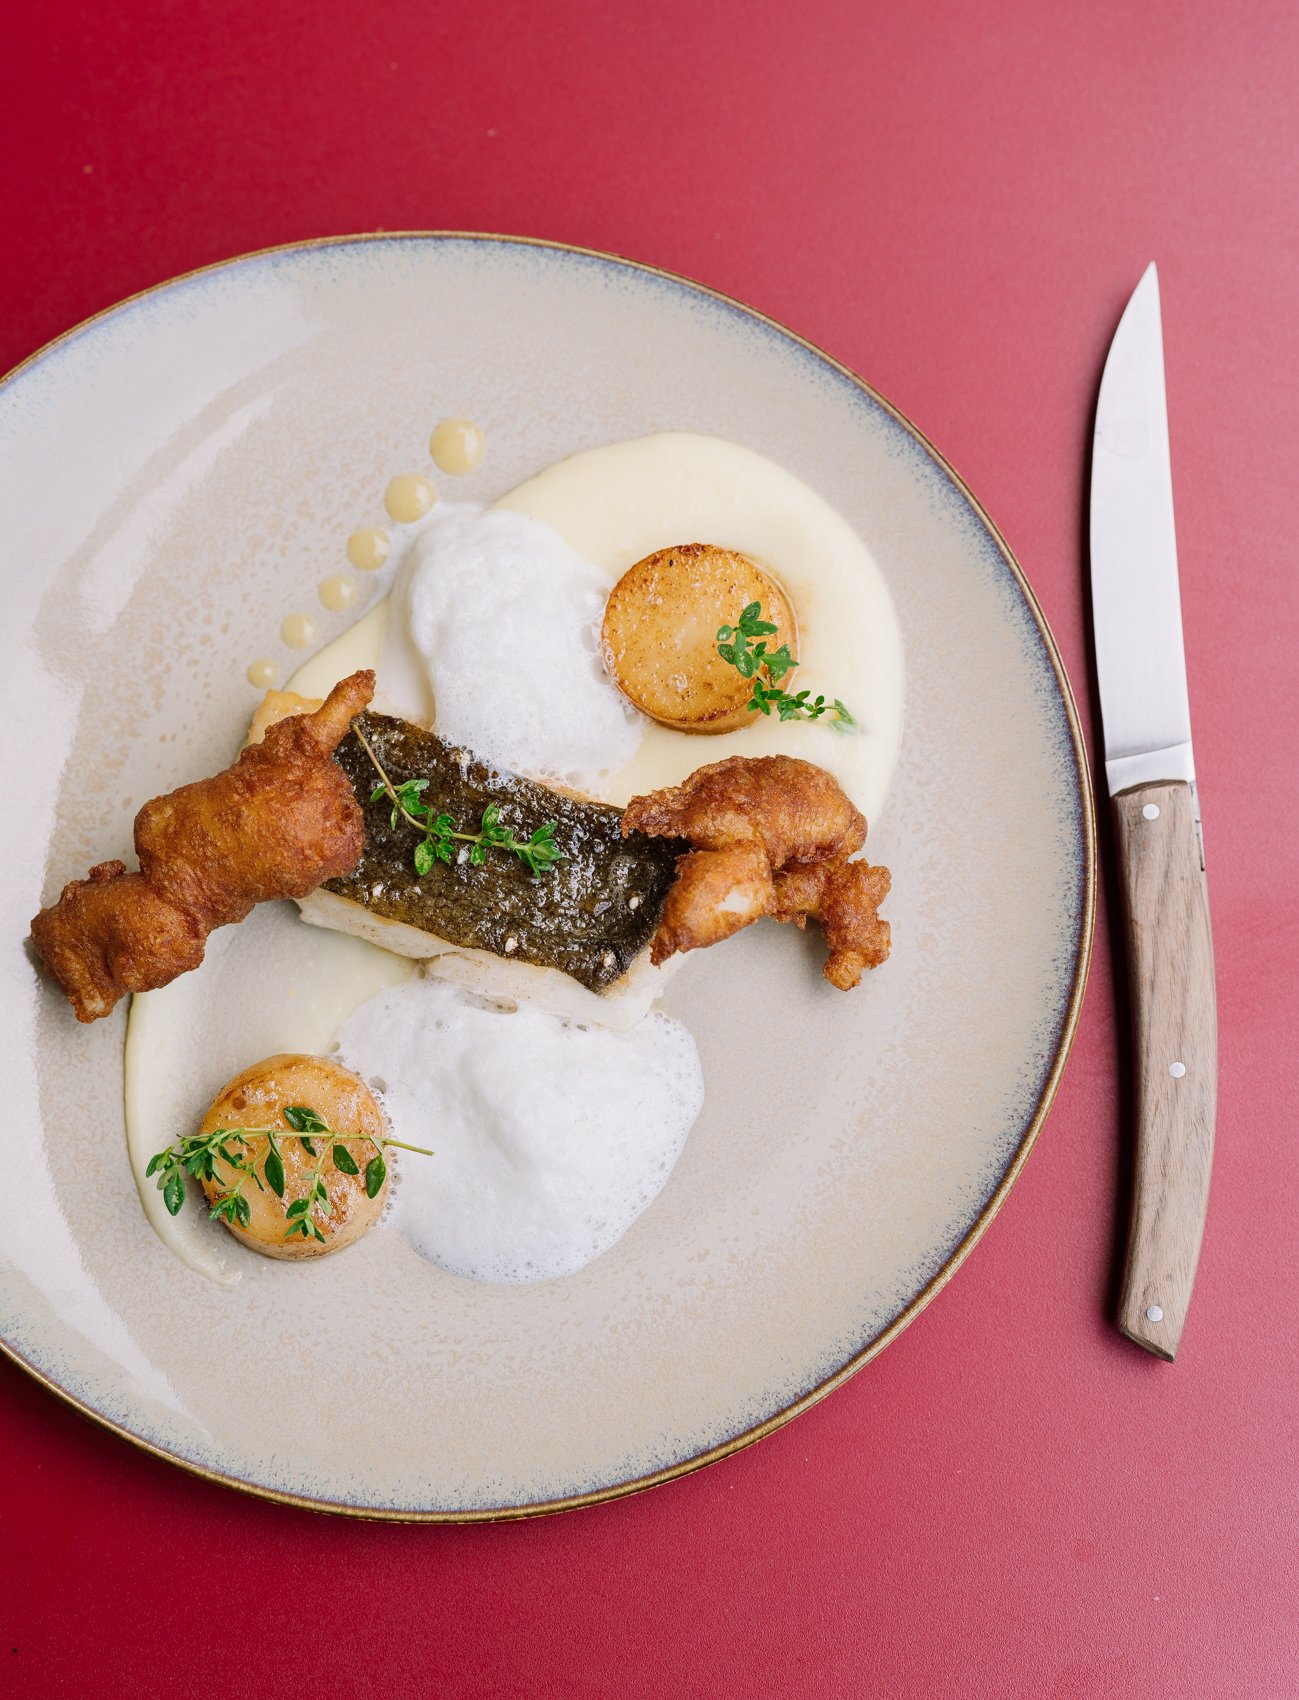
<point>765,668</point>
<point>202,1154</point>
<point>438,834</point>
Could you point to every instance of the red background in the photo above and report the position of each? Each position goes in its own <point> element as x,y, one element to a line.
<point>954,198</point>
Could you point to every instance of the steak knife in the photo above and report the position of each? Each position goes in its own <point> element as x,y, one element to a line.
<point>1150,774</point>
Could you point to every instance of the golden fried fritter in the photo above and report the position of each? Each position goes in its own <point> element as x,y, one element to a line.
<point>276,824</point>
<point>796,811</point>
<point>715,894</point>
<point>769,835</point>
<point>845,898</point>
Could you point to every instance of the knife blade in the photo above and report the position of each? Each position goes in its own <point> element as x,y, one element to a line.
<point>1150,774</point>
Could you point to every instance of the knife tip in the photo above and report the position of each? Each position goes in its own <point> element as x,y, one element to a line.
<point>1143,303</point>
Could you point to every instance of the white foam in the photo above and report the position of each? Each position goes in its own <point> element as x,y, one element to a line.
<point>549,1138</point>
<point>503,616</point>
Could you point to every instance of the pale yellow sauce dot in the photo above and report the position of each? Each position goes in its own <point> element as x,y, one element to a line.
<point>339,592</point>
<point>408,497</point>
<point>457,445</point>
<point>367,548</point>
<point>263,674</point>
<point>298,630</point>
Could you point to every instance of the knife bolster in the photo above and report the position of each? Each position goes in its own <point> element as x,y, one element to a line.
<point>1175,1055</point>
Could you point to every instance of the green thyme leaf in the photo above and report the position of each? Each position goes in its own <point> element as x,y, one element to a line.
<point>232,1208</point>
<point>275,1172</point>
<point>200,1154</point>
<point>779,662</point>
<point>439,830</point>
<point>753,662</point>
<point>303,1119</point>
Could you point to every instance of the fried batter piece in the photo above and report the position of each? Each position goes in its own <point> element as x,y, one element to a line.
<point>845,898</point>
<point>770,835</point>
<point>276,824</point>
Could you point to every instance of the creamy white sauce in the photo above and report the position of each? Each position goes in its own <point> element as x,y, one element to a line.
<point>615,505</point>
<point>359,646</point>
<point>549,1138</point>
<point>502,618</point>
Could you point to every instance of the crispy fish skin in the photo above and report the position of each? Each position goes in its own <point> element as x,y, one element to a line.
<point>275,824</point>
<point>768,835</point>
<point>590,915</point>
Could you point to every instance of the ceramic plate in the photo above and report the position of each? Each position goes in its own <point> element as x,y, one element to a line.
<point>180,472</point>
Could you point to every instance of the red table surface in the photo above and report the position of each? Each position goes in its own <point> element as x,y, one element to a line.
<point>955,199</point>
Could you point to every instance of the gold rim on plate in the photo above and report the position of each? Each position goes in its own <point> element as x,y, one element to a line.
<point>937,1282</point>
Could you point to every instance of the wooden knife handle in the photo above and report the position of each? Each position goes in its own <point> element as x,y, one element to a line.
<point>1175,1045</point>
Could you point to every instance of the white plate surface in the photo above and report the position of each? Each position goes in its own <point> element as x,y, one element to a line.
<point>178,474</point>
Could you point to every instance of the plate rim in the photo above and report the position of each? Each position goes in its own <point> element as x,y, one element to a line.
<point>1081,967</point>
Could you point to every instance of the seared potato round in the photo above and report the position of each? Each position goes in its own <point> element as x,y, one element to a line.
<point>258,1098</point>
<point>660,634</point>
